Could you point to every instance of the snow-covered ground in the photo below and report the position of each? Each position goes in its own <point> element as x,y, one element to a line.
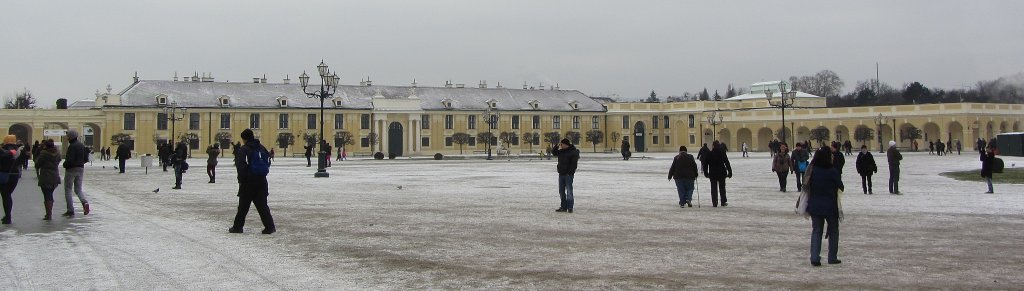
<point>475,224</point>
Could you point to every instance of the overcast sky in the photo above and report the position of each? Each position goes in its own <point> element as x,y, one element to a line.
<point>72,48</point>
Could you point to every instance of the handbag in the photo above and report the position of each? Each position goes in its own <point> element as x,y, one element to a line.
<point>839,202</point>
<point>802,166</point>
<point>801,204</point>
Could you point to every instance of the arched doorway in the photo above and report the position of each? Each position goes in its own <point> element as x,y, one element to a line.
<point>802,134</point>
<point>931,132</point>
<point>764,137</point>
<point>22,131</point>
<point>842,133</point>
<point>395,139</point>
<point>639,135</point>
<point>956,131</point>
<point>743,135</point>
<point>93,136</point>
<point>886,135</point>
<point>725,138</point>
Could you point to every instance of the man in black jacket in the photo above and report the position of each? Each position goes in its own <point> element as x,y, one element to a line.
<point>684,169</point>
<point>178,161</point>
<point>123,154</point>
<point>568,157</point>
<point>74,173</point>
<point>717,168</point>
<point>866,167</point>
<point>252,188</point>
<point>894,157</point>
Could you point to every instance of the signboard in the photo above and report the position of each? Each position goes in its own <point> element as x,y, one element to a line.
<point>55,132</point>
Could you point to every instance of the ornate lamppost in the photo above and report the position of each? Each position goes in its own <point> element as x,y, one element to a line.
<point>328,86</point>
<point>172,115</point>
<point>879,120</point>
<point>715,118</point>
<point>491,116</point>
<point>787,100</point>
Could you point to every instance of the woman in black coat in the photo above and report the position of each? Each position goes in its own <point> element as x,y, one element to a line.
<point>866,167</point>
<point>47,162</point>
<point>823,205</point>
<point>987,158</point>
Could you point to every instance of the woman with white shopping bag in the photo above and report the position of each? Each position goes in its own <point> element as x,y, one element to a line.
<point>823,205</point>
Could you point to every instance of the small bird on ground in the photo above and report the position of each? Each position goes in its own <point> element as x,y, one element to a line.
<point>157,190</point>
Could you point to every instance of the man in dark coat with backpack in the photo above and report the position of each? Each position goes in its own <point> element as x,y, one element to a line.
<point>252,161</point>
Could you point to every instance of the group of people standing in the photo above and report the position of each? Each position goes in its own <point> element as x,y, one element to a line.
<point>938,148</point>
<point>47,158</point>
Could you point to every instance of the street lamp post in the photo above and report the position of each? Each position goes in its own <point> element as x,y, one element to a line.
<point>328,86</point>
<point>878,120</point>
<point>715,118</point>
<point>172,115</point>
<point>492,116</point>
<point>787,99</point>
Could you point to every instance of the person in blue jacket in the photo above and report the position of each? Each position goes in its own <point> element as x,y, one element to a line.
<point>823,205</point>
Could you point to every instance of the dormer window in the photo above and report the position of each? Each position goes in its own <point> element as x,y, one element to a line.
<point>337,102</point>
<point>574,105</point>
<point>161,99</point>
<point>534,104</point>
<point>282,101</point>
<point>447,103</point>
<point>224,100</point>
<point>493,104</point>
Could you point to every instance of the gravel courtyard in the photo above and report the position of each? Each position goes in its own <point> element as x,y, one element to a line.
<point>476,224</point>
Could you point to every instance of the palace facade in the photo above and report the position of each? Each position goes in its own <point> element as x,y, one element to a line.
<point>419,121</point>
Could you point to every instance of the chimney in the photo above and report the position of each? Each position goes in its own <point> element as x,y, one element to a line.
<point>556,87</point>
<point>448,84</point>
<point>541,85</point>
<point>175,76</point>
<point>368,81</point>
<point>186,79</point>
<point>195,77</point>
<point>524,86</point>
<point>362,82</point>
<point>209,77</point>
<point>286,80</point>
<point>483,84</point>
<point>499,85</point>
<point>136,78</point>
<point>414,83</point>
<point>256,80</point>
<point>264,79</point>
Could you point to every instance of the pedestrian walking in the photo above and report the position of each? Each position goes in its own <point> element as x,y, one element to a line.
<point>849,147</point>
<point>684,170</point>
<point>252,162</point>
<point>179,159</point>
<point>800,158</point>
<point>894,157</point>
<point>568,158</point>
<point>10,173</point>
<point>74,174</point>
<point>744,148</point>
<point>338,156</point>
<point>931,147</point>
<point>26,155</point>
<point>344,154</point>
<point>48,165</point>
<point>959,147</point>
<point>625,150</point>
<point>866,167</point>
<point>211,162</point>
<point>123,154</point>
<point>36,148</point>
<point>782,164</point>
<point>838,160</point>
<point>716,168</point>
<point>309,153</point>
<point>987,161</point>
<point>823,206</point>
<point>165,155</point>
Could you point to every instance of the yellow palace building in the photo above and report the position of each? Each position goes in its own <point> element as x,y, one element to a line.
<point>421,121</point>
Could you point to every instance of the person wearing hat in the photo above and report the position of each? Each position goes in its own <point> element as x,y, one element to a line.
<point>48,165</point>
<point>252,187</point>
<point>10,173</point>
<point>74,173</point>
<point>568,156</point>
<point>894,157</point>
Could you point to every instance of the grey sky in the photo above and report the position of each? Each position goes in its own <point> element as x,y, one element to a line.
<point>71,48</point>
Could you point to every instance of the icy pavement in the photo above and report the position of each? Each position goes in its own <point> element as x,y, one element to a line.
<point>475,224</point>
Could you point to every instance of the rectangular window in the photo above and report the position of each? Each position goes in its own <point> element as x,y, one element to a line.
<point>193,121</point>
<point>225,120</point>
<point>449,121</point>
<point>448,141</point>
<point>425,142</point>
<point>667,141</point>
<point>536,139</point>
<point>311,121</point>
<point>654,139</point>
<point>472,122</point>
<point>595,122</point>
<point>625,122</point>
<point>161,121</point>
<point>654,122</point>
<point>254,120</point>
<point>689,121</point>
<point>364,142</point>
<point>282,120</point>
<point>556,122</point>
<point>493,123</point>
<point>515,121</point>
<point>693,139</point>
<point>339,121</point>
<point>129,121</point>
<point>364,121</point>
<point>424,121</point>
<point>665,123</point>
<point>575,122</point>
<point>515,140</point>
<point>472,141</point>
<point>536,122</point>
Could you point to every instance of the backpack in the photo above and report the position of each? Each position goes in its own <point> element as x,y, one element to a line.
<point>259,162</point>
<point>997,165</point>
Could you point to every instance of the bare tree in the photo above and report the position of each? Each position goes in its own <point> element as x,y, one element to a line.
<point>595,137</point>
<point>21,100</point>
<point>460,138</point>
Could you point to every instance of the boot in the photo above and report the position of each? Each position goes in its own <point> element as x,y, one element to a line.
<point>85,207</point>
<point>49,209</point>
